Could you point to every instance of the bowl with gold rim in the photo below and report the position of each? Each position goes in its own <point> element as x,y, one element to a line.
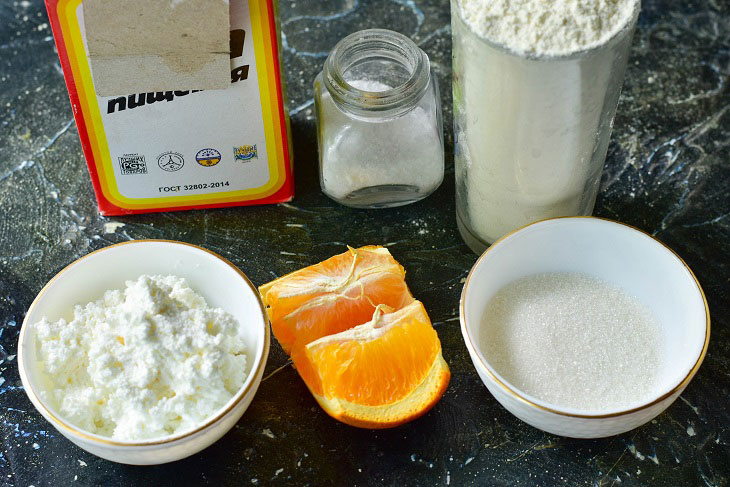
<point>618,255</point>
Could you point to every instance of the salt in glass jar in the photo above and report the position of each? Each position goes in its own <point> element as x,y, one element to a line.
<point>378,122</point>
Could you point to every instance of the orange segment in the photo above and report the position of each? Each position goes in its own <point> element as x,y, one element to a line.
<point>334,295</point>
<point>379,374</point>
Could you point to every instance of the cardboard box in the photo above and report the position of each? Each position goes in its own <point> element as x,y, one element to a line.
<point>184,148</point>
<point>141,45</point>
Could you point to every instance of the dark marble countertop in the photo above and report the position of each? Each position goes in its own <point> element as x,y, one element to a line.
<point>667,172</point>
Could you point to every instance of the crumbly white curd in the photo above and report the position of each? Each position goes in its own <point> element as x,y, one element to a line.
<point>144,362</point>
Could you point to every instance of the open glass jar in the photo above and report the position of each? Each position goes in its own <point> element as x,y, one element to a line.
<point>378,122</point>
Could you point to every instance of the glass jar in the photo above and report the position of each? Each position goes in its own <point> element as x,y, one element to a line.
<point>531,132</point>
<point>378,122</point>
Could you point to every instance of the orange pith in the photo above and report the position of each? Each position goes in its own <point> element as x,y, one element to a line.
<point>334,295</point>
<point>379,374</point>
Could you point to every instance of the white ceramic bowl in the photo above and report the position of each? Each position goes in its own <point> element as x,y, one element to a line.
<point>618,254</point>
<point>85,280</point>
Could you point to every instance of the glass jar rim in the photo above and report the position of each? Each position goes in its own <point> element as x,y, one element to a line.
<point>368,43</point>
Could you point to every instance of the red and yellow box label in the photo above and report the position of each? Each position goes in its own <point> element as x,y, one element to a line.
<point>184,149</point>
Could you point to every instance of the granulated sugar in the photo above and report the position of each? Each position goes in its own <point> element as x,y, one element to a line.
<point>573,340</point>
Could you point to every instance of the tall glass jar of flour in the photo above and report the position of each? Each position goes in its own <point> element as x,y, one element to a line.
<point>378,122</point>
<point>535,91</point>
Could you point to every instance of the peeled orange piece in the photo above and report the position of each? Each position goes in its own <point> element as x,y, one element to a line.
<point>383,373</point>
<point>334,295</point>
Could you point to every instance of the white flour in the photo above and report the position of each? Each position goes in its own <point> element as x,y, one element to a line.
<point>532,131</point>
<point>547,27</point>
<point>145,362</point>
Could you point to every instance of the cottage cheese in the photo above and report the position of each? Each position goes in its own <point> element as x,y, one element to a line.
<point>144,362</point>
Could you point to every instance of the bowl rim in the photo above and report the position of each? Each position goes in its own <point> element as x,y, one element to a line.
<point>256,369</point>
<point>521,396</point>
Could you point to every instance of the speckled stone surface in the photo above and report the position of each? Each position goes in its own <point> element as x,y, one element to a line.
<point>667,172</point>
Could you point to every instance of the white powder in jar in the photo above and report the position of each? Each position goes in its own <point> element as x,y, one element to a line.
<point>144,362</point>
<point>369,85</point>
<point>572,340</point>
<point>532,129</point>
<point>360,154</point>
